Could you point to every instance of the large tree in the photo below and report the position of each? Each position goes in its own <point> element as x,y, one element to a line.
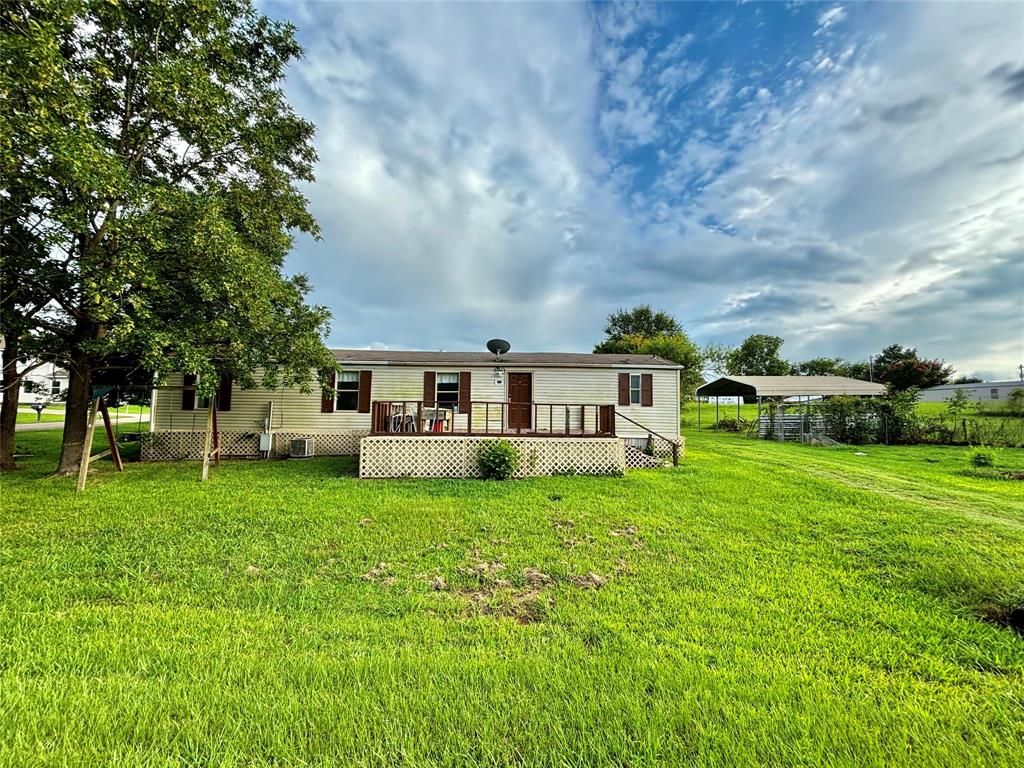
<point>716,357</point>
<point>641,321</point>
<point>161,174</point>
<point>823,366</point>
<point>642,331</point>
<point>758,355</point>
<point>902,368</point>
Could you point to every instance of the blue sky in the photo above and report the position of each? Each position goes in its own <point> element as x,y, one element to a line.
<point>844,175</point>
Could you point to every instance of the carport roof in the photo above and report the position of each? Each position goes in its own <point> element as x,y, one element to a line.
<point>788,386</point>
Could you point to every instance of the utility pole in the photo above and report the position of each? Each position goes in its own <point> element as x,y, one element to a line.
<point>871,368</point>
<point>1021,369</point>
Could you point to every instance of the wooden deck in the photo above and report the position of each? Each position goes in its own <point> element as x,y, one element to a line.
<point>484,418</point>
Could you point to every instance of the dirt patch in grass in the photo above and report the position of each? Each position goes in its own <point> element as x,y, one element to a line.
<point>590,581</point>
<point>522,605</point>
<point>631,533</point>
<point>1003,616</point>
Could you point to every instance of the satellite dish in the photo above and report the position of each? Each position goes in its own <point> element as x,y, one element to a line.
<point>498,347</point>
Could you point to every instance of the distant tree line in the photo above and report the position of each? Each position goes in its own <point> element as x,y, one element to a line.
<point>642,330</point>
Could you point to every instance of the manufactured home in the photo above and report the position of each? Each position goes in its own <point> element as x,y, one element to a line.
<point>554,404</point>
<point>982,392</point>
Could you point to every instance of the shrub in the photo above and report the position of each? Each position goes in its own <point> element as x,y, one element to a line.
<point>1015,402</point>
<point>730,425</point>
<point>498,460</point>
<point>982,457</point>
<point>849,420</point>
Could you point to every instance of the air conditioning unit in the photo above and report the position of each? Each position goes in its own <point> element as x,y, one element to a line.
<point>301,448</point>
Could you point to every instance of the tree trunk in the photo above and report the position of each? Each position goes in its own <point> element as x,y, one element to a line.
<point>76,414</point>
<point>9,409</point>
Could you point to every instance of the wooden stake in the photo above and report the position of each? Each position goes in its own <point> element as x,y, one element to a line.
<point>83,467</point>
<point>114,452</point>
<point>206,443</point>
<point>216,436</point>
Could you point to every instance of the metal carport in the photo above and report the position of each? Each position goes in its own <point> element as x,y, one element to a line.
<point>783,387</point>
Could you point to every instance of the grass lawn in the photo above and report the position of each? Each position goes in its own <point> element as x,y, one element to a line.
<point>762,604</point>
<point>55,412</point>
<point>30,417</point>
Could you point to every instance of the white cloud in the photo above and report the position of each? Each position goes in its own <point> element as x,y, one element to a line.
<point>829,18</point>
<point>471,181</point>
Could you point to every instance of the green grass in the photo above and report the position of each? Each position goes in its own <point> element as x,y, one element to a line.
<point>763,604</point>
<point>55,412</point>
<point>30,417</point>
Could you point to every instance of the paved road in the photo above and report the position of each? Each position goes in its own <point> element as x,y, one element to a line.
<point>36,426</point>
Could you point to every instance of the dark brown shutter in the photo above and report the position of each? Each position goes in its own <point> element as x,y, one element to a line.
<point>623,389</point>
<point>365,379</point>
<point>327,398</point>
<point>429,387</point>
<point>464,395</point>
<point>224,394</point>
<point>647,389</point>
<point>188,392</point>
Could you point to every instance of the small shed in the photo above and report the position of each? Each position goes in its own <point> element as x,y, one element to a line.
<point>801,389</point>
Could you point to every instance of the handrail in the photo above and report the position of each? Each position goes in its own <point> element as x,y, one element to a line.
<point>670,441</point>
<point>646,428</point>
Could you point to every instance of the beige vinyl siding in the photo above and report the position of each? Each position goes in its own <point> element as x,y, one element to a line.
<point>601,386</point>
<point>295,411</point>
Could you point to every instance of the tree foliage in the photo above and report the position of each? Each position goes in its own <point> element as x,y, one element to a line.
<point>901,368</point>
<point>641,321</point>
<point>642,331</point>
<point>823,366</point>
<point>758,355</point>
<point>150,197</point>
<point>716,357</point>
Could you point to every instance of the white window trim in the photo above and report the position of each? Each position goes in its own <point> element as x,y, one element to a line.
<point>638,389</point>
<point>350,377</point>
<point>457,381</point>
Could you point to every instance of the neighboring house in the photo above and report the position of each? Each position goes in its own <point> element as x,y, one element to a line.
<point>403,394</point>
<point>43,384</point>
<point>985,391</point>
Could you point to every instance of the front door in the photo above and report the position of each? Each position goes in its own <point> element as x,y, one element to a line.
<point>520,398</point>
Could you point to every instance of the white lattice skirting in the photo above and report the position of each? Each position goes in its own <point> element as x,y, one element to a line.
<point>457,456</point>
<point>651,452</point>
<point>186,445</point>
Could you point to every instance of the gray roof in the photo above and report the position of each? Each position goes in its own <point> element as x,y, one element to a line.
<point>788,386</point>
<point>510,359</point>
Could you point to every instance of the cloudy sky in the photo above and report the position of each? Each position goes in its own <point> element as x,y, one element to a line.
<point>842,175</point>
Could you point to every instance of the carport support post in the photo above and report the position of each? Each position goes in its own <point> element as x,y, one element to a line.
<point>698,413</point>
<point>717,398</point>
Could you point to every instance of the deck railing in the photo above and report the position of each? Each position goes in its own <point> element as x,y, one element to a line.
<point>492,417</point>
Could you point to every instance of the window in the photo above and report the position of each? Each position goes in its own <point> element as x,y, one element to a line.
<point>634,389</point>
<point>994,393</point>
<point>55,387</point>
<point>348,391</point>
<point>448,390</point>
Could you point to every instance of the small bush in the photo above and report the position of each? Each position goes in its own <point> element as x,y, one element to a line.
<point>498,460</point>
<point>982,457</point>
<point>730,425</point>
